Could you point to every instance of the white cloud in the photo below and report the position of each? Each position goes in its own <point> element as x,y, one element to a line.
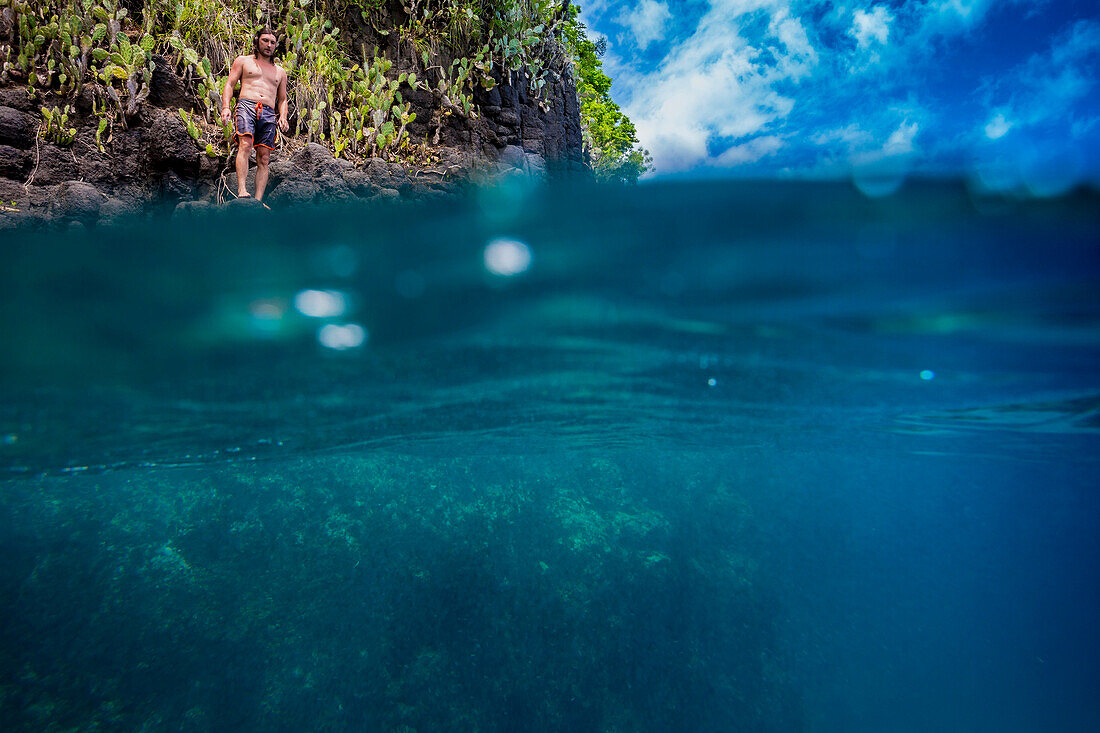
<point>900,141</point>
<point>749,152</point>
<point>997,127</point>
<point>647,21</point>
<point>851,137</point>
<point>872,26</point>
<point>964,10</point>
<point>719,84</point>
<point>1049,86</point>
<point>803,86</point>
<point>1082,40</point>
<point>954,16</point>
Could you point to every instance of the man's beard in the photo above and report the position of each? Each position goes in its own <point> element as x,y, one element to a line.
<point>267,54</point>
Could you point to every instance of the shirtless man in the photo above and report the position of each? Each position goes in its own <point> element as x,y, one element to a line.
<point>263,88</point>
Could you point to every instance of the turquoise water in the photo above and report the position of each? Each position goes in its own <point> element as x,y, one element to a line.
<point>723,456</point>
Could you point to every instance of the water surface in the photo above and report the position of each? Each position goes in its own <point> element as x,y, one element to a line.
<point>723,456</point>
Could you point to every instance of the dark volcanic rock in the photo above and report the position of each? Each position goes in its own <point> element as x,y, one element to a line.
<point>21,205</point>
<point>508,118</point>
<point>77,200</point>
<point>490,98</point>
<point>186,209</point>
<point>126,151</point>
<point>94,166</point>
<point>170,146</point>
<point>249,182</point>
<point>325,174</point>
<point>386,175</point>
<point>14,163</point>
<point>11,192</point>
<point>512,155</point>
<point>85,100</point>
<point>536,165</point>
<point>167,88</point>
<point>359,183</point>
<point>246,204</point>
<point>17,129</point>
<point>120,209</point>
<point>54,165</point>
<point>18,98</point>
<point>174,188</point>
<point>333,188</point>
<point>313,159</point>
<point>282,170</point>
<point>508,95</point>
<point>292,191</point>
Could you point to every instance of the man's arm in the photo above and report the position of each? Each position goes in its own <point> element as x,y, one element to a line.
<point>281,101</point>
<point>227,93</point>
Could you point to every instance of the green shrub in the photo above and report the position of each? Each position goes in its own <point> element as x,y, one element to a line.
<point>609,135</point>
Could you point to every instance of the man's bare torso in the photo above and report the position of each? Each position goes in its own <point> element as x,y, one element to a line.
<point>259,80</point>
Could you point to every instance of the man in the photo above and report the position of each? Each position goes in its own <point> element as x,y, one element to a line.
<point>263,88</point>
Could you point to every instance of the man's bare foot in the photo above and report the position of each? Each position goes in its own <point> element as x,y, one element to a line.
<point>245,195</point>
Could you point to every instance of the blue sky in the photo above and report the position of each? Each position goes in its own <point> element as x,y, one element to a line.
<point>1003,91</point>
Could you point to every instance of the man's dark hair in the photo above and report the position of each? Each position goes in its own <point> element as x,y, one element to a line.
<point>264,31</point>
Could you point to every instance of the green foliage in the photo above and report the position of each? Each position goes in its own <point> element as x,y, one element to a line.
<point>357,108</point>
<point>63,44</point>
<point>452,87</point>
<point>375,114</point>
<point>106,123</point>
<point>192,128</point>
<point>509,36</point>
<point>56,128</point>
<point>609,135</point>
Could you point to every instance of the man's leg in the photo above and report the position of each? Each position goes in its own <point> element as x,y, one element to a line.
<point>263,156</point>
<point>244,147</point>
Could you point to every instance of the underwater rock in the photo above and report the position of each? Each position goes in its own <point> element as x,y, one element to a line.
<point>77,200</point>
<point>513,156</point>
<point>291,192</point>
<point>185,209</point>
<point>120,208</point>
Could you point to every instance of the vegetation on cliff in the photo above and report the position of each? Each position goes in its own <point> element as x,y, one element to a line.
<point>609,134</point>
<point>352,65</point>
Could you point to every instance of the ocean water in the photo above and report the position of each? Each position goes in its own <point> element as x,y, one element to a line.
<point>749,456</point>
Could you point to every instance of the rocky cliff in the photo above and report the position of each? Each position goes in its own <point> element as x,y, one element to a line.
<point>152,162</point>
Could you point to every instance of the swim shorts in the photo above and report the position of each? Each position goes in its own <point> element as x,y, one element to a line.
<point>258,122</point>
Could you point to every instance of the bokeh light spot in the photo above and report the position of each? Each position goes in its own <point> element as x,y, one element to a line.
<point>507,257</point>
<point>321,303</point>
<point>341,338</point>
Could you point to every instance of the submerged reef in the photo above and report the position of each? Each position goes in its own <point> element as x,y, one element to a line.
<point>386,592</point>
